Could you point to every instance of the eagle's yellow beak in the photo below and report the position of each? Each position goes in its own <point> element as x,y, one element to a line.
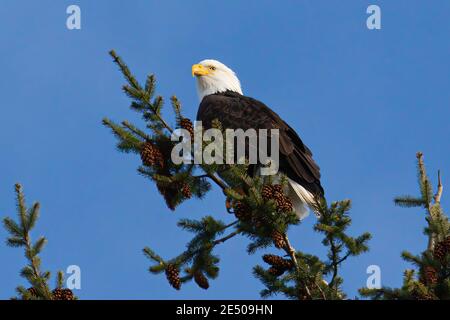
<point>199,70</point>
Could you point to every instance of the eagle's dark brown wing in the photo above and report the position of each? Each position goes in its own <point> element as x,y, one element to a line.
<point>236,111</point>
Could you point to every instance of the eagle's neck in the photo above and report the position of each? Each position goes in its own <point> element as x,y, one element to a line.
<point>207,86</point>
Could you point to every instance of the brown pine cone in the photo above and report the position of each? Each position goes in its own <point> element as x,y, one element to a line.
<point>187,125</point>
<point>278,197</point>
<point>169,192</point>
<point>267,192</point>
<point>275,192</point>
<point>186,191</point>
<point>278,239</point>
<point>173,276</point>
<point>285,204</point>
<point>277,188</point>
<point>277,261</point>
<point>62,294</point>
<point>151,155</point>
<point>430,275</point>
<point>242,211</point>
<point>276,271</point>
<point>201,280</point>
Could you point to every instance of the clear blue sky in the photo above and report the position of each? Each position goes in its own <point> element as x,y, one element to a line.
<point>364,101</point>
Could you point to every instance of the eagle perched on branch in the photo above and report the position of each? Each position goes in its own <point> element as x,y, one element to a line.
<point>221,98</point>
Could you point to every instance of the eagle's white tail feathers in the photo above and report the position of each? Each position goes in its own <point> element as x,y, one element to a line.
<point>301,198</point>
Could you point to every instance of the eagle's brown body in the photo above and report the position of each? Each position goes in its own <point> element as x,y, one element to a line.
<point>235,111</point>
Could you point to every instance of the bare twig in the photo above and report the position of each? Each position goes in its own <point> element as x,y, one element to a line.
<point>291,252</point>
<point>219,182</point>
<point>231,224</point>
<point>437,200</point>
<point>419,156</point>
<point>344,258</point>
<point>222,240</point>
<point>335,263</point>
<point>440,189</point>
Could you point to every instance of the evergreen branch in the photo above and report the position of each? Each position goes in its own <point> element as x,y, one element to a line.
<point>125,71</point>
<point>137,92</point>
<point>60,280</point>
<point>135,85</point>
<point>152,255</point>
<point>426,191</point>
<point>20,237</point>
<point>136,131</point>
<point>430,280</point>
<point>150,85</point>
<point>408,202</point>
<point>127,141</point>
<point>12,227</point>
<point>424,182</point>
<point>166,125</point>
<point>32,216</point>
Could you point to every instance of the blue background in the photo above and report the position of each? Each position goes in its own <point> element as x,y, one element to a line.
<point>364,102</point>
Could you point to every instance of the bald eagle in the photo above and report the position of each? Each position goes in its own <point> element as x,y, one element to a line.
<point>221,98</point>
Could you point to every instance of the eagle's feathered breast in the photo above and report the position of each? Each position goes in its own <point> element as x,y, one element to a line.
<point>235,111</point>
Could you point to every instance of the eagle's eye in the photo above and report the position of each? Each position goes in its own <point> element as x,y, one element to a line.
<point>212,68</point>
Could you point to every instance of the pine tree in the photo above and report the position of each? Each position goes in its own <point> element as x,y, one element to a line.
<point>263,213</point>
<point>430,280</point>
<point>19,236</point>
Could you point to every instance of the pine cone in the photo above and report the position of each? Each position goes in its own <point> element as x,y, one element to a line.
<point>284,204</point>
<point>173,276</point>
<point>278,239</point>
<point>275,192</point>
<point>186,124</point>
<point>430,275</point>
<point>186,191</point>
<point>277,188</point>
<point>169,193</point>
<point>267,192</point>
<point>277,261</point>
<point>201,280</point>
<point>62,294</point>
<point>276,271</point>
<point>242,211</point>
<point>151,155</point>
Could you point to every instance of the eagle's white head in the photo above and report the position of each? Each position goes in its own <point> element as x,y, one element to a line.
<point>213,77</point>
